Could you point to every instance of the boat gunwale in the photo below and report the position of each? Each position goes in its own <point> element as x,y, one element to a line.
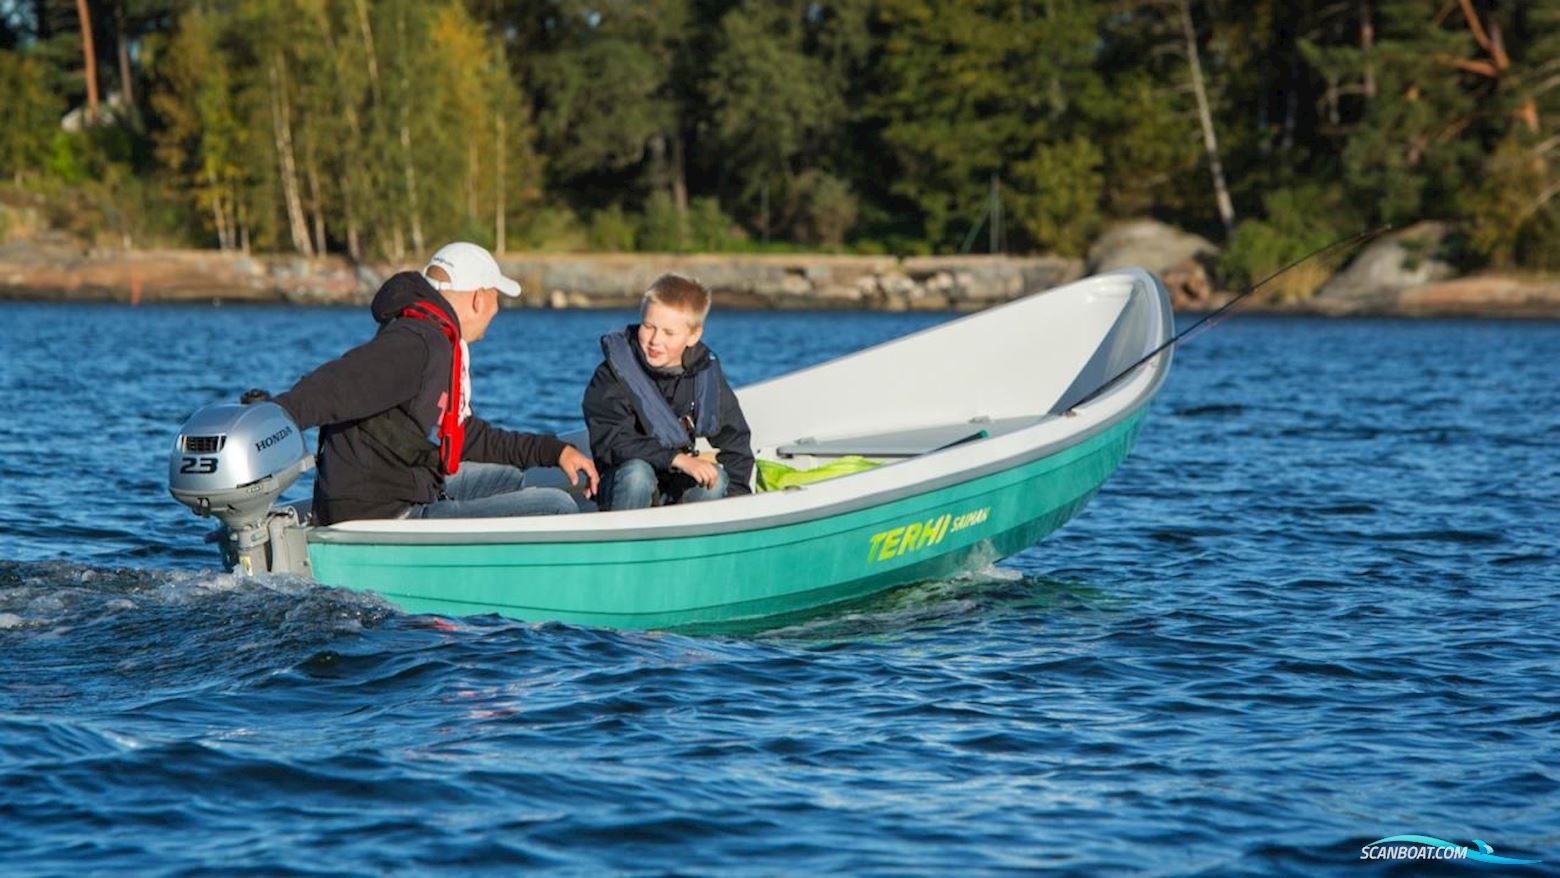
<point>738,525</point>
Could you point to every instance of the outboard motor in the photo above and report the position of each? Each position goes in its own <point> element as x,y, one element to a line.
<point>233,461</point>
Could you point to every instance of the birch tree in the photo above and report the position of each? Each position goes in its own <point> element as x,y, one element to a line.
<point>1210,137</point>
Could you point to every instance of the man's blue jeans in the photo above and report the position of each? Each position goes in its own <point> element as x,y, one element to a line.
<point>636,485</point>
<point>492,490</point>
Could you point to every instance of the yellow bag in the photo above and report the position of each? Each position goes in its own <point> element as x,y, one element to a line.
<point>773,476</point>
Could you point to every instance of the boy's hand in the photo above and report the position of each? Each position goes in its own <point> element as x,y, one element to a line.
<point>571,461</point>
<point>702,470</point>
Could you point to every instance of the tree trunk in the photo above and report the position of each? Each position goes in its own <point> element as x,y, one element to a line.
<point>660,177</point>
<point>1291,105</point>
<point>218,211</point>
<point>316,200</point>
<point>499,232</point>
<point>40,18</point>
<point>679,175</point>
<point>243,227</point>
<point>408,170</point>
<point>1367,47</point>
<point>354,243</point>
<point>349,190</point>
<point>763,212</point>
<point>472,163</point>
<point>126,89</point>
<point>1264,142</point>
<point>347,154</point>
<point>89,55</point>
<point>368,44</point>
<point>281,118</point>
<point>410,174</point>
<point>230,214</point>
<point>1221,191</point>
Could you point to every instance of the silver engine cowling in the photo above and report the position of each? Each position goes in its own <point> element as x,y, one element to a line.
<point>232,462</point>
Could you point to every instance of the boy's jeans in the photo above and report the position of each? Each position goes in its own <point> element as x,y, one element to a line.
<point>492,490</point>
<point>636,485</point>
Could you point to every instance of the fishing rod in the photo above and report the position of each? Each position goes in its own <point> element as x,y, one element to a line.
<point>1353,240</point>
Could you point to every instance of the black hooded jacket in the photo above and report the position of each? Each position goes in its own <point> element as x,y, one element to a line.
<point>617,436</point>
<point>406,365</point>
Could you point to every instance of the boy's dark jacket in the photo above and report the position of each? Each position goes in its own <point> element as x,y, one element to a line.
<point>406,365</point>
<point>618,436</point>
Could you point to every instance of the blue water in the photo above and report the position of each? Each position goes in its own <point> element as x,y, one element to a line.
<point>1319,605</point>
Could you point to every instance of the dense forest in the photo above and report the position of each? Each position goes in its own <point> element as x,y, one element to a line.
<point>377,128</point>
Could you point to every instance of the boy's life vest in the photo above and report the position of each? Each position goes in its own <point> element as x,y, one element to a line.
<point>672,431</point>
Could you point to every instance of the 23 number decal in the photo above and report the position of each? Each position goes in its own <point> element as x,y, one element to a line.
<point>199,465</point>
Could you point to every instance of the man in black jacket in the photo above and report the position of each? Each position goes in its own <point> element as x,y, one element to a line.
<point>657,391</point>
<point>397,435</point>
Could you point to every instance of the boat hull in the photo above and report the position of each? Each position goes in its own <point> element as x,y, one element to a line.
<point>745,579</point>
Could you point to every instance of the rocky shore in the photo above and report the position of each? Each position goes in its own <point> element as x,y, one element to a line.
<point>1395,276</point>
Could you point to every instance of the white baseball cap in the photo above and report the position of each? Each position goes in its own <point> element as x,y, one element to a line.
<point>470,267</point>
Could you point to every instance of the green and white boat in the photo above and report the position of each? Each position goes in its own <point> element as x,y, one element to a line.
<point>983,451</point>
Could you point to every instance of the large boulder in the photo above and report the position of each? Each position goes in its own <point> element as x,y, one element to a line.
<point>1179,258</point>
<point>1413,257</point>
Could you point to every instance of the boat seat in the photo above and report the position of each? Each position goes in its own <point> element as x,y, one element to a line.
<point>906,443</point>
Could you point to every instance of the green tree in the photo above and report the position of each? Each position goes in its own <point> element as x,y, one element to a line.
<point>201,141</point>
<point>32,115</point>
<point>976,89</point>
<point>1514,206</point>
<point>612,230</point>
<point>823,209</point>
<point>1297,221</point>
<point>1060,188</point>
<point>611,108</point>
<point>663,228</point>
<point>709,229</point>
<point>1146,157</point>
<point>777,95</point>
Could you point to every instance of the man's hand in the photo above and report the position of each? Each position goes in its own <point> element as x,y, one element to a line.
<point>571,461</point>
<point>702,470</point>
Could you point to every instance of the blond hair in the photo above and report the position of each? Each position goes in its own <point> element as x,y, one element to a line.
<point>683,293</point>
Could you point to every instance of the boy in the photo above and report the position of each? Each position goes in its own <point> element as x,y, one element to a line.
<point>659,389</point>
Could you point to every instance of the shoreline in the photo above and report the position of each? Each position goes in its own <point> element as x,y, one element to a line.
<point>584,281</point>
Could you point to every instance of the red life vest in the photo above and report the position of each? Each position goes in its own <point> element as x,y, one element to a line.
<point>452,432</point>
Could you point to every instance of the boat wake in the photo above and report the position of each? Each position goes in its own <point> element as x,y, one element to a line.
<point>75,633</point>
<point>56,597</point>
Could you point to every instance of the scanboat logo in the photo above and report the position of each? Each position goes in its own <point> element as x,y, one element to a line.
<point>1424,847</point>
